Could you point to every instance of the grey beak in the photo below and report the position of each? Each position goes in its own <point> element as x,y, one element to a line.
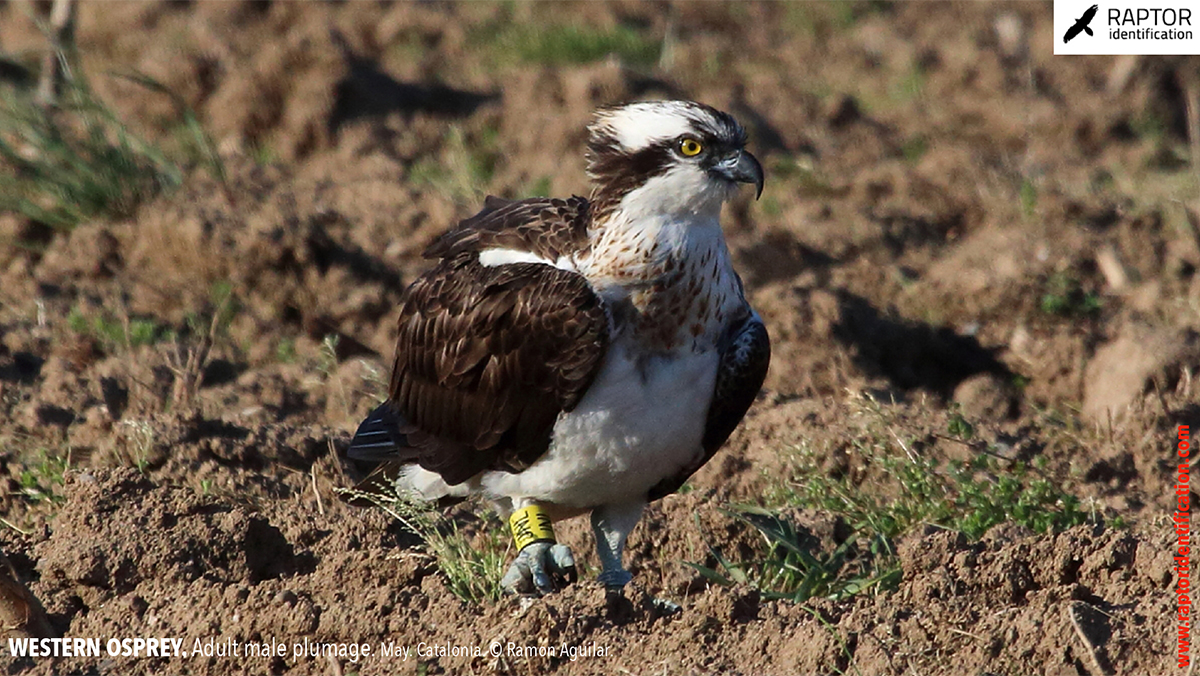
<point>743,168</point>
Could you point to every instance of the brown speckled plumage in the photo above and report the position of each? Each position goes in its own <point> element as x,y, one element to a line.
<point>547,227</point>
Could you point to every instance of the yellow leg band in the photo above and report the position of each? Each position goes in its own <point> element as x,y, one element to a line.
<point>530,524</point>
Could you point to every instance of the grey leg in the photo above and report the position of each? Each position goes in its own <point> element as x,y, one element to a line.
<point>611,524</point>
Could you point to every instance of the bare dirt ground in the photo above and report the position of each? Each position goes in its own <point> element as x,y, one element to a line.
<point>956,223</point>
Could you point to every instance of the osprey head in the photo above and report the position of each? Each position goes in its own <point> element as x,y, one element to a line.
<point>668,156</point>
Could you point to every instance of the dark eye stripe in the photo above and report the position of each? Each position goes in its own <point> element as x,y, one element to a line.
<point>616,172</point>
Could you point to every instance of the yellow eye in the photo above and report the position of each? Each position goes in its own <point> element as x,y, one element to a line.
<point>690,147</point>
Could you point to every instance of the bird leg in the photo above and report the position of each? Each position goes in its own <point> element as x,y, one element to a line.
<point>611,524</point>
<point>542,565</point>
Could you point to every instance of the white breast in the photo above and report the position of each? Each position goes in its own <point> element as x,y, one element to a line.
<point>641,421</point>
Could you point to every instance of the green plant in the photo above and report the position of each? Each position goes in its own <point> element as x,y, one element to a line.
<point>837,636</point>
<point>1149,124</point>
<point>1063,295</point>
<point>472,569</point>
<point>327,357</point>
<point>910,86</point>
<point>42,480</point>
<point>914,149</point>
<point>1029,197</point>
<point>264,155</point>
<point>62,165</point>
<point>989,492</point>
<point>195,142</point>
<point>472,562</point>
<point>959,427</point>
<point>193,347</point>
<point>771,206</point>
<point>223,308</point>
<point>813,18</point>
<point>895,490</point>
<point>912,490</point>
<point>285,351</point>
<point>465,169</point>
<point>800,172</point>
<point>790,569</point>
<point>539,188</point>
<point>117,333</point>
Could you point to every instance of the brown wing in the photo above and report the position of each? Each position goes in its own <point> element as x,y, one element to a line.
<point>487,357</point>
<point>547,227</point>
<point>745,356</point>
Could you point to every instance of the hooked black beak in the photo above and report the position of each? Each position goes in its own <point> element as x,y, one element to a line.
<point>743,168</point>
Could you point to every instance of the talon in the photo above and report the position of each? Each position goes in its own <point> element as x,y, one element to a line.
<point>540,568</point>
<point>564,561</point>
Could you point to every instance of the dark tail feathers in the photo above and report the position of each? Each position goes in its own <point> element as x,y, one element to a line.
<point>378,438</point>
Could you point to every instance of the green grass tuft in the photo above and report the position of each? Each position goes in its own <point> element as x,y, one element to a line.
<point>472,563</point>
<point>539,188</point>
<point>562,44</point>
<point>117,334</point>
<point>1063,295</point>
<point>62,166</point>
<point>1029,198</point>
<point>914,149</point>
<point>465,169</point>
<point>42,480</point>
<point>913,490</point>
<point>65,164</point>
<point>905,491</point>
<point>791,570</point>
<point>285,350</point>
<point>472,569</point>
<point>959,427</point>
<point>577,44</point>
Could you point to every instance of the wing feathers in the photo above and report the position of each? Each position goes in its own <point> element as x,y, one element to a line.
<point>548,228</point>
<point>487,357</point>
<point>483,361</point>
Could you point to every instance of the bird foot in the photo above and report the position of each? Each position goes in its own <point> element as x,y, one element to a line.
<point>540,568</point>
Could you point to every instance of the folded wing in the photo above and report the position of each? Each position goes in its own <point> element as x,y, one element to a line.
<point>488,356</point>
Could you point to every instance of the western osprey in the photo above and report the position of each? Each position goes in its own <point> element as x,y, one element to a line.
<point>579,355</point>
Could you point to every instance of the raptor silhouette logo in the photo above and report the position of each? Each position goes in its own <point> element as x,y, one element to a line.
<point>1081,24</point>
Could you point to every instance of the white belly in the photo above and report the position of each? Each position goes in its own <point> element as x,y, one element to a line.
<point>635,426</point>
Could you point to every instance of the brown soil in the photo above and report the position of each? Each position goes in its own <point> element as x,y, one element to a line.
<point>934,175</point>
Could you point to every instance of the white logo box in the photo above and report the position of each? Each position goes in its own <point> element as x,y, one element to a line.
<point>1128,27</point>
